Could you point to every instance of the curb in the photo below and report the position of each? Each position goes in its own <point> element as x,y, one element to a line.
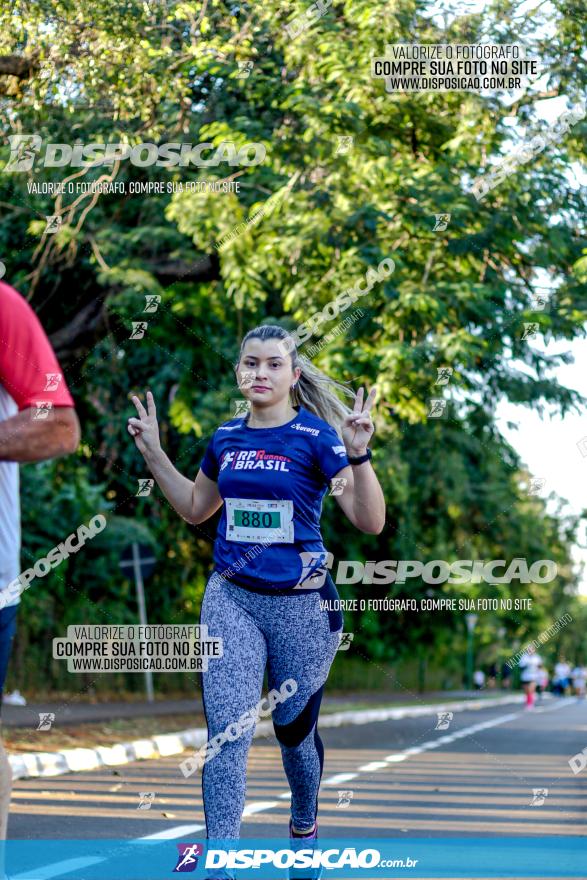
<point>39,764</point>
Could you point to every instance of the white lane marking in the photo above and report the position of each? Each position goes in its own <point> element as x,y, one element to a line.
<point>434,743</point>
<point>169,833</point>
<point>368,716</point>
<point>41,764</point>
<point>340,777</point>
<point>258,807</point>
<point>566,701</point>
<point>59,868</point>
<point>373,765</point>
<point>262,806</point>
<point>346,777</point>
<point>67,865</point>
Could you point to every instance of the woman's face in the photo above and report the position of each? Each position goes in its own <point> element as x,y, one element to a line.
<point>264,374</point>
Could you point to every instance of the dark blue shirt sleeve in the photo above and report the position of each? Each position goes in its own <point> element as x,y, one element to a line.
<point>210,463</point>
<point>331,453</point>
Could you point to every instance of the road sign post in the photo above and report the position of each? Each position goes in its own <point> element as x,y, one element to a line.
<point>138,560</point>
<point>471,621</point>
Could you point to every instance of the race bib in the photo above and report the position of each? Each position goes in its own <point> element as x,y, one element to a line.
<point>254,520</point>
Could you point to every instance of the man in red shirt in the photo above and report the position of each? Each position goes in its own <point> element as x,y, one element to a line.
<point>37,421</point>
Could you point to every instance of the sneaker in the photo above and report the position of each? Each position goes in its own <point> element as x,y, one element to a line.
<point>14,699</point>
<point>304,841</point>
<point>312,835</point>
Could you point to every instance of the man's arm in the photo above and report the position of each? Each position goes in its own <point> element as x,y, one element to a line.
<point>23,438</point>
<point>31,375</point>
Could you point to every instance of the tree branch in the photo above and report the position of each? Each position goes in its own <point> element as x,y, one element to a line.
<point>18,65</point>
<point>75,340</point>
<point>169,271</point>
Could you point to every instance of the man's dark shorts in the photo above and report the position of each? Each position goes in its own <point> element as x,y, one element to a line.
<point>7,630</point>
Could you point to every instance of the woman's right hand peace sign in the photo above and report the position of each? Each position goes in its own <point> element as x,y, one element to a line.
<point>145,429</point>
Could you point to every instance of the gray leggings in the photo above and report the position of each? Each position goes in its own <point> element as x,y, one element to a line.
<point>294,639</point>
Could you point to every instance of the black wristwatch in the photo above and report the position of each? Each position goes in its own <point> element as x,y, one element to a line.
<point>359,459</point>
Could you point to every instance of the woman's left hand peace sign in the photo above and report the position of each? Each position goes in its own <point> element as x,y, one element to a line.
<point>357,427</point>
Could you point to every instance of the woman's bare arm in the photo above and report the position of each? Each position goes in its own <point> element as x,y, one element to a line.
<point>196,500</point>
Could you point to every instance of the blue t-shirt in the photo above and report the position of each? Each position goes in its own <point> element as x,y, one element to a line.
<point>284,473</point>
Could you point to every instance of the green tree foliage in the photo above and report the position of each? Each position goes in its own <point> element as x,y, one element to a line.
<point>133,72</point>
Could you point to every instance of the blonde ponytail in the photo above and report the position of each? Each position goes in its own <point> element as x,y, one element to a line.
<point>314,390</point>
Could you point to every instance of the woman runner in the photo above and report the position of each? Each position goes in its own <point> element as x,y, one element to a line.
<point>270,471</point>
<point>529,664</point>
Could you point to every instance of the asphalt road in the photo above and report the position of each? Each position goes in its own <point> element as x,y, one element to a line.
<point>406,778</point>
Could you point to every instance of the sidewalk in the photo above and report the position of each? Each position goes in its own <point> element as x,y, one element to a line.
<point>35,764</point>
<point>83,713</point>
